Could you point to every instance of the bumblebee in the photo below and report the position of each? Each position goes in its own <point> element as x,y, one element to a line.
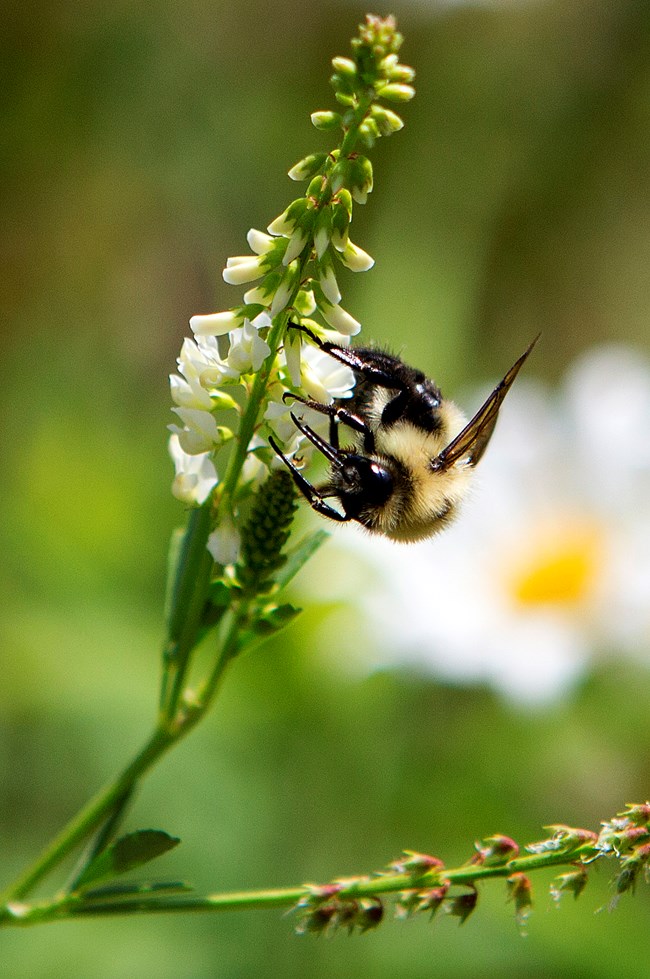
<point>412,454</point>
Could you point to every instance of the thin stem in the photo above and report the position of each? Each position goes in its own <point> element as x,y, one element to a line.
<point>90,817</point>
<point>288,897</point>
<point>188,596</point>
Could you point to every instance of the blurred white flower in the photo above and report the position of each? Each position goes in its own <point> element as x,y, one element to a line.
<point>224,542</point>
<point>549,562</point>
<point>195,477</point>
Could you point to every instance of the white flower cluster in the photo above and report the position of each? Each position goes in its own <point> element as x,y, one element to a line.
<point>549,564</point>
<point>230,346</point>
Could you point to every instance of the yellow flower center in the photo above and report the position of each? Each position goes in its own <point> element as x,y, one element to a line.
<point>560,568</point>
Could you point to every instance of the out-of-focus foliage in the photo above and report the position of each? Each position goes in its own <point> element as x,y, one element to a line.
<point>140,142</point>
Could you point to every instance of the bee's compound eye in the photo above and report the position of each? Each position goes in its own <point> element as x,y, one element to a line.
<point>381,483</point>
<point>366,481</point>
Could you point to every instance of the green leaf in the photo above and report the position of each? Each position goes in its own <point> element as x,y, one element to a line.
<point>220,594</point>
<point>299,555</point>
<point>273,618</point>
<point>128,852</point>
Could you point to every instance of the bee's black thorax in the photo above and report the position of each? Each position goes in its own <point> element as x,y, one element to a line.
<point>414,398</point>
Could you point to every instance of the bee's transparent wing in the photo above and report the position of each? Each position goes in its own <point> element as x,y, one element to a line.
<point>470,444</point>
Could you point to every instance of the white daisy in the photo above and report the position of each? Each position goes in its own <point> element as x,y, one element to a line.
<point>549,562</point>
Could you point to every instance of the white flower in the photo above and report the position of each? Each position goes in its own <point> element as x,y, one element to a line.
<point>200,432</point>
<point>339,319</point>
<point>292,352</point>
<point>283,292</point>
<point>214,324</point>
<point>203,371</point>
<point>259,242</point>
<point>282,225</point>
<point>323,377</point>
<point>224,542</point>
<point>549,563</point>
<point>196,475</point>
<point>296,244</point>
<point>189,394</point>
<point>247,349</point>
<point>355,258</point>
<point>322,240</point>
<point>328,282</point>
<point>242,268</point>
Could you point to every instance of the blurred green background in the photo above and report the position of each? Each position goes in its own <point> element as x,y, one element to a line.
<point>141,141</point>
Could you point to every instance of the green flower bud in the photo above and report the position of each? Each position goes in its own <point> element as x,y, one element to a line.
<point>341,215</point>
<point>344,66</point>
<point>285,223</point>
<point>387,121</point>
<point>266,532</point>
<point>325,120</point>
<point>361,179</point>
<point>315,186</point>
<point>369,131</point>
<point>396,92</point>
<point>322,230</point>
<point>307,167</point>
<point>395,72</point>
<point>339,175</point>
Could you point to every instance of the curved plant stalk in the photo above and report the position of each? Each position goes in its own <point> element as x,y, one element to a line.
<point>418,883</point>
<point>231,601</point>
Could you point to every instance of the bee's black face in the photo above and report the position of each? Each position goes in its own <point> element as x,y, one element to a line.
<point>362,483</point>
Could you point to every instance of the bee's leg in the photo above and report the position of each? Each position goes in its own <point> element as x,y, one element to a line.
<point>331,452</point>
<point>338,415</point>
<point>349,357</point>
<point>310,492</point>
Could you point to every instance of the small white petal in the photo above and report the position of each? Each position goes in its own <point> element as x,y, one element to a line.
<point>214,324</point>
<point>296,244</point>
<point>195,474</point>
<point>281,226</point>
<point>328,283</point>
<point>224,543</point>
<point>356,259</point>
<point>321,241</point>
<point>259,242</point>
<point>261,320</point>
<point>244,272</point>
<point>257,296</point>
<point>188,395</point>
<point>341,320</point>
<point>282,296</point>
<point>238,260</point>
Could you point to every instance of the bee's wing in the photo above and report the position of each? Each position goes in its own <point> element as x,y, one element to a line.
<point>472,442</point>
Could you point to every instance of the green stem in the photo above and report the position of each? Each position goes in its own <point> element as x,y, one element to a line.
<point>288,897</point>
<point>188,593</point>
<point>90,817</point>
<point>186,605</point>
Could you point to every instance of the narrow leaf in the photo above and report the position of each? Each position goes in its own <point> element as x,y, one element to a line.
<point>127,853</point>
<point>299,555</point>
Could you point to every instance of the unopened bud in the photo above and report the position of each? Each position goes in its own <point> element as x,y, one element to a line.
<point>396,92</point>
<point>325,120</point>
<point>495,850</point>
<point>308,166</point>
